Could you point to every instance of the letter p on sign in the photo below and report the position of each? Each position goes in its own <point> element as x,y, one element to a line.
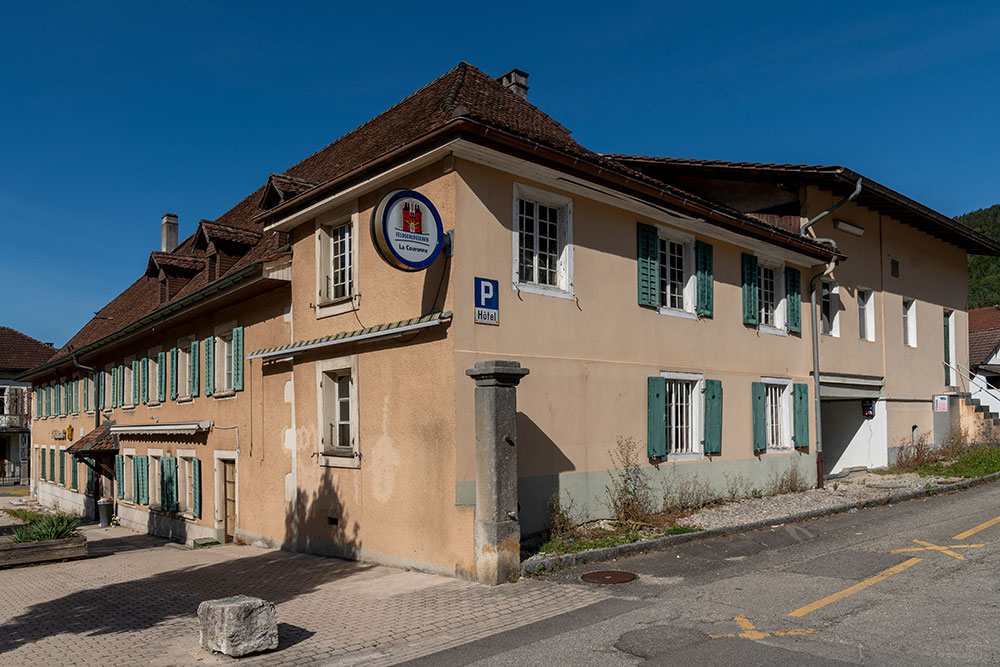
<point>487,302</point>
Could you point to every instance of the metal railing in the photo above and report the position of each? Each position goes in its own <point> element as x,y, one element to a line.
<point>965,376</point>
<point>14,421</point>
<point>10,473</point>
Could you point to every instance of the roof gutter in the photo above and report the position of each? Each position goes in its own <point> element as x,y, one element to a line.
<point>252,272</point>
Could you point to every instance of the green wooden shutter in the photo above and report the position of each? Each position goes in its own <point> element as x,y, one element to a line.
<point>168,483</point>
<point>145,380</point>
<point>62,467</point>
<point>90,491</point>
<point>759,418</point>
<point>209,355</point>
<point>86,392</point>
<point>793,299</point>
<point>136,381</point>
<point>41,473</point>
<point>656,417</point>
<point>161,376</point>
<point>713,417</point>
<point>705,302</point>
<point>114,387</point>
<point>99,391</point>
<point>173,374</point>
<point>947,349</point>
<point>120,475</point>
<point>648,265</point>
<point>751,307</point>
<point>193,368</point>
<point>196,487</point>
<point>238,359</point>
<point>136,480</point>
<point>800,413</point>
<point>74,479</point>
<point>52,464</point>
<point>58,392</point>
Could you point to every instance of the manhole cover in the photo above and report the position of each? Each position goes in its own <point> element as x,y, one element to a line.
<point>607,577</point>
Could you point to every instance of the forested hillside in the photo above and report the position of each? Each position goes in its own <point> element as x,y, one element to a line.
<point>984,272</point>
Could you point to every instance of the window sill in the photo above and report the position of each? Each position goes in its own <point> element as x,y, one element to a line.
<point>530,288</point>
<point>128,407</point>
<point>337,307</point>
<point>153,404</point>
<point>771,331</point>
<point>184,399</point>
<point>352,460</point>
<point>229,393</point>
<point>829,335</point>
<point>674,312</point>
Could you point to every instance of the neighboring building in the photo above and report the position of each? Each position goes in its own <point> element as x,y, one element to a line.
<point>275,379</point>
<point>18,353</point>
<point>984,357</point>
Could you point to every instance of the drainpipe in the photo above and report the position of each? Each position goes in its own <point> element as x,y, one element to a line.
<point>815,330</point>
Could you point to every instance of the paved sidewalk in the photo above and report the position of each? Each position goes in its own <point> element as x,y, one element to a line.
<point>135,603</point>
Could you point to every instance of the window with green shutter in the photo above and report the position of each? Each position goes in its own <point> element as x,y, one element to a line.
<point>705,279</point>
<point>751,307</point>
<point>238,359</point>
<point>713,417</point>
<point>62,467</point>
<point>52,464</point>
<point>209,354</point>
<point>174,352</point>
<point>196,488</point>
<point>57,410</point>
<point>758,404</point>
<point>793,297</point>
<point>86,393</point>
<point>168,483</point>
<point>648,265</point>
<point>91,482</point>
<point>161,376</point>
<point>136,381</point>
<point>144,386</point>
<point>114,387</point>
<point>120,476</point>
<point>41,469</point>
<point>800,416</point>
<point>656,417</point>
<point>193,367</point>
<point>73,476</point>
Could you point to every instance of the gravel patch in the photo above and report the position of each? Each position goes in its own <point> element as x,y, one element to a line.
<point>833,494</point>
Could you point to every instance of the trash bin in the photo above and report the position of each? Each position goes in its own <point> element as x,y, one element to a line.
<point>104,507</point>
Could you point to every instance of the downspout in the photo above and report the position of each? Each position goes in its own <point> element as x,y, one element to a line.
<point>815,330</point>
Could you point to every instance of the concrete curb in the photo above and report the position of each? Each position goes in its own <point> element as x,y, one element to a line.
<point>544,564</point>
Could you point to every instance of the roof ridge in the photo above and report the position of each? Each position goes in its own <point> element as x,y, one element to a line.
<point>24,335</point>
<point>452,97</point>
<point>735,163</point>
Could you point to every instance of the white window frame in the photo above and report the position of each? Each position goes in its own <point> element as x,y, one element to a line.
<point>834,291</point>
<point>866,313</point>
<point>784,414</point>
<point>108,387</point>
<point>326,307</point>
<point>183,369</point>
<point>125,386</point>
<point>668,236</point>
<point>950,315</point>
<point>155,458</point>
<point>128,472</point>
<point>909,322</point>
<point>780,326</point>
<point>564,269</point>
<point>153,379</point>
<point>223,337</point>
<point>185,482</point>
<point>697,415</point>
<point>347,364</point>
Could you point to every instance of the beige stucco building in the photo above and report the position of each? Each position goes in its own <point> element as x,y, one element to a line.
<point>276,379</point>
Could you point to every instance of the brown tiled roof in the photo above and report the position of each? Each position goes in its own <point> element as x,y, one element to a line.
<point>837,179</point>
<point>101,439</point>
<point>182,262</point>
<point>239,235</point>
<point>982,344</point>
<point>464,93</point>
<point>21,352</point>
<point>984,318</point>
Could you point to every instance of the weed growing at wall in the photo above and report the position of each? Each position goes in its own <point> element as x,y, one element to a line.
<point>629,495</point>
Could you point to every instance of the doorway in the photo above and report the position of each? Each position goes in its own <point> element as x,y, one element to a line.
<point>229,499</point>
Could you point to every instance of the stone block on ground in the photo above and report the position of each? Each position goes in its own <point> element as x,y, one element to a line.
<point>238,625</point>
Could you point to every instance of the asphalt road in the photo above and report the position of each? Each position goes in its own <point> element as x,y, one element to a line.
<point>832,591</point>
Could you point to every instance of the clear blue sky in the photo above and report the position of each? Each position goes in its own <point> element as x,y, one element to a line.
<point>114,113</point>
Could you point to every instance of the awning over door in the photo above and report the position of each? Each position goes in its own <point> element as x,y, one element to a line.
<point>99,441</point>
<point>850,386</point>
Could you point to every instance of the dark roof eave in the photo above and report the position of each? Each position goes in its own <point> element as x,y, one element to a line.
<point>253,273</point>
<point>654,193</point>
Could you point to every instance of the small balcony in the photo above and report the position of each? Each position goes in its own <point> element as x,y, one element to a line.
<point>14,422</point>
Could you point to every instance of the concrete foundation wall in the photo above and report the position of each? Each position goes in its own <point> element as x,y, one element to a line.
<point>63,500</point>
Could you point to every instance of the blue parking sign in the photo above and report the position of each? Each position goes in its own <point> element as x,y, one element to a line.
<point>487,301</point>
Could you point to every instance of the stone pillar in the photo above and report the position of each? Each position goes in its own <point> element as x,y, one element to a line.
<point>498,532</point>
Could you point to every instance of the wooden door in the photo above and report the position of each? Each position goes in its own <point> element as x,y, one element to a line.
<point>229,486</point>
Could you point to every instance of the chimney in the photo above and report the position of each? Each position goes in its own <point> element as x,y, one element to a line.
<point>516,82</point>
<point>168,232</point>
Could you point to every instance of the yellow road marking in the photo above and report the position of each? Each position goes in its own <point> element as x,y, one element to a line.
<point>933,547</point>
<point>860,586</point>
<point>751,632</point>
<point>973,531</point>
